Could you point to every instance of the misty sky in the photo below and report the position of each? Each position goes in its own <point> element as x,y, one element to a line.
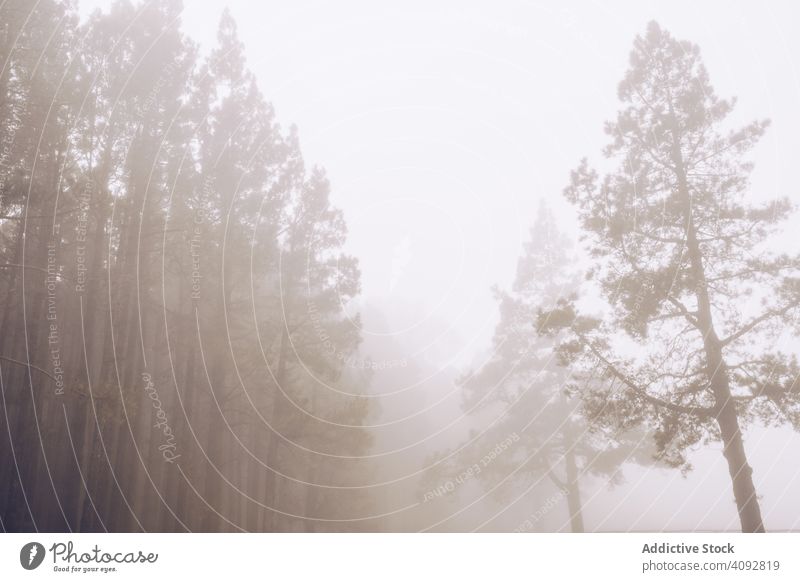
<point>442,125</point>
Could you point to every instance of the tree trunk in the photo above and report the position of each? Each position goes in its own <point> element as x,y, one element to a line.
<point>573,493</point>
<point>741,473</point>
<point>273,443</point>
<point>744,490</point>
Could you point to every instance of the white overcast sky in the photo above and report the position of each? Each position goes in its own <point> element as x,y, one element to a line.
<point>441,124</point>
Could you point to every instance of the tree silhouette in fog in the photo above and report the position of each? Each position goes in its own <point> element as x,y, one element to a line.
<point>681,250</point>
<point>523,391</point>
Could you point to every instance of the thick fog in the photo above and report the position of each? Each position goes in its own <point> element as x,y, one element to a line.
<point>349,250</point>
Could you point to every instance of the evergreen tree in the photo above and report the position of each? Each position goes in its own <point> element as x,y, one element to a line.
<point>526,399</point>
<point>684,259</point>
<point>162,252</point>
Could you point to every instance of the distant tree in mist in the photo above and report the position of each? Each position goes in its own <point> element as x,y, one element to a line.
<point>691,269</point>
<point>522,392</point>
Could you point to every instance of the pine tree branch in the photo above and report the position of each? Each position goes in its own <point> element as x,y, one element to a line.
<point>757,321</point>
<point>692,410</point>
<point>660,239</point>
<point>688,315</point>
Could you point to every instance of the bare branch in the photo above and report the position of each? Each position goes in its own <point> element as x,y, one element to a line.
<point>693,410</point>
<point>759,320</point>
<point>690,317</point>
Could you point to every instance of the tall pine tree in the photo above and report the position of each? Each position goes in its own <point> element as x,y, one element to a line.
<point>684,257</point>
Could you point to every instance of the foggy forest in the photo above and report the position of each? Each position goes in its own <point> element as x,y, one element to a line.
<point>192,340</point>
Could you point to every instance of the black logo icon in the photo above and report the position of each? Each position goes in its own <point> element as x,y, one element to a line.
<point>31,555</point>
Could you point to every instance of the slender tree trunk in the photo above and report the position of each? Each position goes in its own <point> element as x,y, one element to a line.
<point>186,387</point>
<point>573,493</point>
<point>84,448</point>
<point>311,492</point>
<point>741,473</point>
<point>11,339</point>
<point>271,493</point>
<point>95,333</point>
<point>273,442</point>
<point>218,436</point>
